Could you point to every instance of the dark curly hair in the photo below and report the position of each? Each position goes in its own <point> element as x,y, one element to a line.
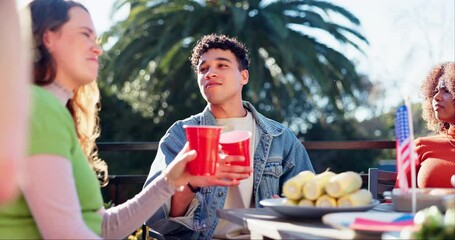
<point>446,71</point>
<point>214,41</point>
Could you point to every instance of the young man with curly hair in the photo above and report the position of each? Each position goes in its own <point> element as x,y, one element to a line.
<point>221,65</point>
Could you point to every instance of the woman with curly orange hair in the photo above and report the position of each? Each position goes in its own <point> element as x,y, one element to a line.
<point>435,163</point>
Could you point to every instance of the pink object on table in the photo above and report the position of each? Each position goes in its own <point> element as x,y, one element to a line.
<point>205,140</point>
<point>398,224</point>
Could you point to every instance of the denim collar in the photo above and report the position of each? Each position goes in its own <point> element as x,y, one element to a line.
<point>207,118</point>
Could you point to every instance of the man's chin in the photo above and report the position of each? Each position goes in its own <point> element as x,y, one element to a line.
<point>211,99</point>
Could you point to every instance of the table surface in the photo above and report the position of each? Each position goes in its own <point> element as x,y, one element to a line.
<point>264,222</point>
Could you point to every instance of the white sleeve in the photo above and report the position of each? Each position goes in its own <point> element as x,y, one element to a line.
<point>51,195</point>
<point>123,219</point>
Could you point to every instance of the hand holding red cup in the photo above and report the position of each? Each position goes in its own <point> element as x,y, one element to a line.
<point>237,143</point>
<point>205,140</point>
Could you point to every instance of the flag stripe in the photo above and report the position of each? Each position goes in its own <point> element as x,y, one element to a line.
<point>404,141</point>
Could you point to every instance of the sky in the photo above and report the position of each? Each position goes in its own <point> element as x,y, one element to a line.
<point>406,39</point>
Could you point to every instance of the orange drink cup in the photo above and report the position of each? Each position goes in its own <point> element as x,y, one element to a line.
<point>237,143</point>
<point>205,140</point>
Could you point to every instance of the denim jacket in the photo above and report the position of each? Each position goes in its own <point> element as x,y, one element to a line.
<point>278,157</point>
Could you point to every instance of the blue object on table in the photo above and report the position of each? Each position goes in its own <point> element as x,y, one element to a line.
<point>404,217</point>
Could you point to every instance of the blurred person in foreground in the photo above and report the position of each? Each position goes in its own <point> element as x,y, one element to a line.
<point>14,95</point>
<point>221,65</point>
<point>435,163</point>
<point>63,198</point>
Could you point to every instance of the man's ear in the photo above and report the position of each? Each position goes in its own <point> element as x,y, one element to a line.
<point>245,77</point>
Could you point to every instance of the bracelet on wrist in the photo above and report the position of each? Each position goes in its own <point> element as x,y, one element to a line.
<point>193,189</point>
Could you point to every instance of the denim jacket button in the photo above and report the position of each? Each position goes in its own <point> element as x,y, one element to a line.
<point>220,194</point>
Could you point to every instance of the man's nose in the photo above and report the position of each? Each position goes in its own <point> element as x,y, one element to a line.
<point>210,73</point>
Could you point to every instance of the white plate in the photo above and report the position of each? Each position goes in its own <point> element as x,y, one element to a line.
<point>344,220</point>
<point>309,212</point>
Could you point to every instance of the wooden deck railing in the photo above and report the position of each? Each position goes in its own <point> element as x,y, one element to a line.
<point>309,145</point>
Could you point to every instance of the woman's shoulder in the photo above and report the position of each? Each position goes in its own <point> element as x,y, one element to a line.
<point>48,115</point>
<point>51,129</point>
<point>46,105</point>
<point>43,96</point>
<point>430,138</point>
<point>429,141</point>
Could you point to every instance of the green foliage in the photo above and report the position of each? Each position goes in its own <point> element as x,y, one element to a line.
<point>342,160</point>
<point>376,128</point>
<point>432,224</point>
<point>147,82</point>
<point>120,123</point>
<point>293,75</point>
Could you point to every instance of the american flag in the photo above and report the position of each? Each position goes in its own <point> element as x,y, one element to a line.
<point>403,145</point>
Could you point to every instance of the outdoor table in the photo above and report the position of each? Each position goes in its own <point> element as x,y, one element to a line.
<point>266,223</point>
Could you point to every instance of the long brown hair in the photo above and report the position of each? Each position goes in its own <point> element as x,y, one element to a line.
<point>51,15</point>
<point>447,72</point>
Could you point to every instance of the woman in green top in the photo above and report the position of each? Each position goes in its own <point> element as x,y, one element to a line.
<point>61,198</point>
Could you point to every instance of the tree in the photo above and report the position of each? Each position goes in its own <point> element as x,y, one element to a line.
<point>293,74</point>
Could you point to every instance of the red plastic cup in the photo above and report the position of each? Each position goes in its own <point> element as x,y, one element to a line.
<point>205,140</point>
<point>237,143</point>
